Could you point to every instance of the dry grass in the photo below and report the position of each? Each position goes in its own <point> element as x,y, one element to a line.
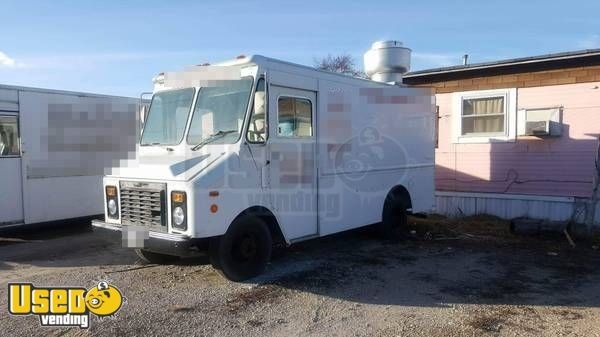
<point>595,237</point>
<point>488,228</point>
<point>477,225</point>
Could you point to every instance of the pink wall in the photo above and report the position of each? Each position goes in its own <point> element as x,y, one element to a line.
<point>562,166</point>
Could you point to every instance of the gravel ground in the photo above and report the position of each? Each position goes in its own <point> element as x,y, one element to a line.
<point>345,285</point>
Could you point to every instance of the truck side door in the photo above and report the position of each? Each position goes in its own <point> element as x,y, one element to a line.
<point>292,169</point>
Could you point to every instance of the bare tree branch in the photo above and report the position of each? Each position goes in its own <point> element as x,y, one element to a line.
<point>343,64</point>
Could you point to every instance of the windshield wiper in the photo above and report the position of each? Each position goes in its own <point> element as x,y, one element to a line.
<point>212,138</point>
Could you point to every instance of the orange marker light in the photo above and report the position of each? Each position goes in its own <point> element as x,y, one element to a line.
<point>178,197</point>
<point>111,191</point>
<point>214,208</point>
<point>213,193</point>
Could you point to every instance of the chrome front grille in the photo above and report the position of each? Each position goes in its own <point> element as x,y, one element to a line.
<point>143,204</point>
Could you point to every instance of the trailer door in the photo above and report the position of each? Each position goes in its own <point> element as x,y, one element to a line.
<point>11,189</point>
<point>292,167</point>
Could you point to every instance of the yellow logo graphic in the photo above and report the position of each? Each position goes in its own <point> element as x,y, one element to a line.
<point>103,300</point>
<point>64,306</point>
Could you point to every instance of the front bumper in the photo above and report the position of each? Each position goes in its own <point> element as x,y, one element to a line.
<point>164,243</point>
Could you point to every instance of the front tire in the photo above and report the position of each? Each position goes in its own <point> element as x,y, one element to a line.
<point>244,251</point>
<point>152,257</point>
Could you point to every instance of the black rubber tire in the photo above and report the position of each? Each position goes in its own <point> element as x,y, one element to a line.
<point>394,222</point>
<point>244,251</point>
<point>152,257</point>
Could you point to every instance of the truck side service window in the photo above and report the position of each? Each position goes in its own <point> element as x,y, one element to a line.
<point>294,117</point>
<point>9,136</point>
<point>257,129</point>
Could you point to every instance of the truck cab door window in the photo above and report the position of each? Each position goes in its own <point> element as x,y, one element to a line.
<point>257,128</point>
<point>9,136</point>
<point>294,117</point>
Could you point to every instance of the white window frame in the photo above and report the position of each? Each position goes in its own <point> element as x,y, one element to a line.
<point>510,117</point>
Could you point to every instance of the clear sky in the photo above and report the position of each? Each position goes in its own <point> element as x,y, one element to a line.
<point>116,47</point>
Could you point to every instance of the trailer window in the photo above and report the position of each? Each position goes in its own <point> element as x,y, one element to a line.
<point>9,136</point>
<point>294,116</point>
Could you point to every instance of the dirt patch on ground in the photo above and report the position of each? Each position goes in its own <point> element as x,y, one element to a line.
<point>490,322</point>
<point>261,294</point>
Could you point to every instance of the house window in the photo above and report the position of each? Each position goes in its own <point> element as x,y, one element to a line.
<point>485,115</point>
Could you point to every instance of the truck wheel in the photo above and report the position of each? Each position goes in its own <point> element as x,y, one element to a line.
<point>394,220</point>
<point>244,251</point>
<point>152,257</point>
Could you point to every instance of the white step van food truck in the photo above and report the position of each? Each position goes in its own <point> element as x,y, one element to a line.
<point>237,156</point>
<point>55,148</point>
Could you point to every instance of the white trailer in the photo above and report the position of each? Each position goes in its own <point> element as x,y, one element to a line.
<point>55,147</point>
<point>245,153</point>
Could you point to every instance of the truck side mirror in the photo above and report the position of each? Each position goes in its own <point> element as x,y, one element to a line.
<point>143,113</point>
<point>143,107</point>
<point>259,102</point>
<point>257,129</point>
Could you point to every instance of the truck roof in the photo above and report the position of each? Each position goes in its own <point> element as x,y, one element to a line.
<point>295,68</point>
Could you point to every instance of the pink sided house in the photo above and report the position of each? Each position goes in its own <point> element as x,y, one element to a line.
<point>519,137</point>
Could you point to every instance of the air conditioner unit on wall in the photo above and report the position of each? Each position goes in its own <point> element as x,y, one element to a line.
<point>537,128</point>
<point>540,122</point>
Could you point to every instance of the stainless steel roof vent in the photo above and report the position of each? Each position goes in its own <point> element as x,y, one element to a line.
<point>387,61</point>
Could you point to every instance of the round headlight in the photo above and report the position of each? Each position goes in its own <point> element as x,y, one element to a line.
<point>112,207</point>
<point>178,216</point>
